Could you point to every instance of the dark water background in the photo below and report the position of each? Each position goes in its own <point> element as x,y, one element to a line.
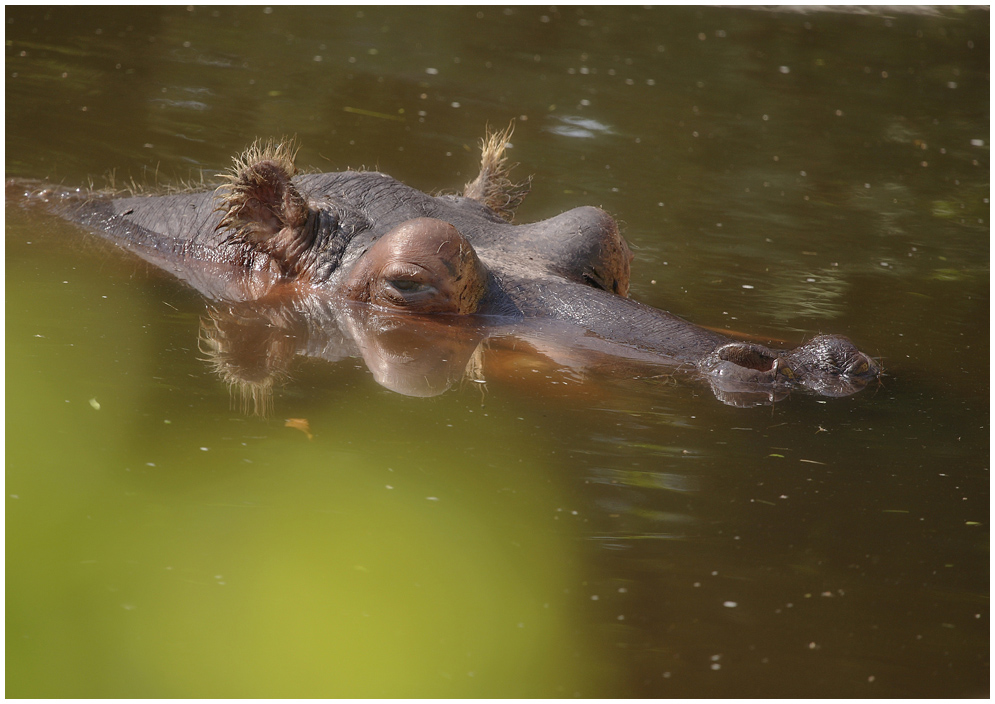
<point>777,173</point>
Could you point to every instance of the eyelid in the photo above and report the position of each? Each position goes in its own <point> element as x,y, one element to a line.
<point>407,278</point>
<point>407,285</point>
<point>404,270</point>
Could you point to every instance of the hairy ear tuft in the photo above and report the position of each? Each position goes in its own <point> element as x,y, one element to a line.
<point>493,186</point>
<point>282,153</point>
<point>260,200</point>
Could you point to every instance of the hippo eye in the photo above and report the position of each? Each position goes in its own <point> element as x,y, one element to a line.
<point>407,285</point>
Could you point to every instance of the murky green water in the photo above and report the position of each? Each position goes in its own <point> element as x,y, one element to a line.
<point>778,174</point>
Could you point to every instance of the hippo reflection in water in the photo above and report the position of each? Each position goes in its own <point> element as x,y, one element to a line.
<point>333,264</point>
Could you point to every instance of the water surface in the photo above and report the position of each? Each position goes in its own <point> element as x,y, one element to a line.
<point>778,174</point>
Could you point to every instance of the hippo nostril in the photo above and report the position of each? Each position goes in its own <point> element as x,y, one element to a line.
<point>749,355</point>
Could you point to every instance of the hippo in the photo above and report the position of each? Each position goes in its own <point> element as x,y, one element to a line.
<point>336,264</point>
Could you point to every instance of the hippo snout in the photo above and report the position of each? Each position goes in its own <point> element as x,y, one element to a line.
<point>828,364</point>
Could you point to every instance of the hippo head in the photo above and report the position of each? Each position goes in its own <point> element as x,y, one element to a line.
<point>313,246</point>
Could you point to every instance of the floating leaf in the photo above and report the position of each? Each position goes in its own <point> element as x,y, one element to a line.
<point>300,424</point>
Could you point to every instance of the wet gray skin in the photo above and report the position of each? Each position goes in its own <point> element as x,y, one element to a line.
<point>357,263</point>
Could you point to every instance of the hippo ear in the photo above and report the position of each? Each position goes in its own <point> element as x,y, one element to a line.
<point>493,187</point>
<point>260,201</point>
